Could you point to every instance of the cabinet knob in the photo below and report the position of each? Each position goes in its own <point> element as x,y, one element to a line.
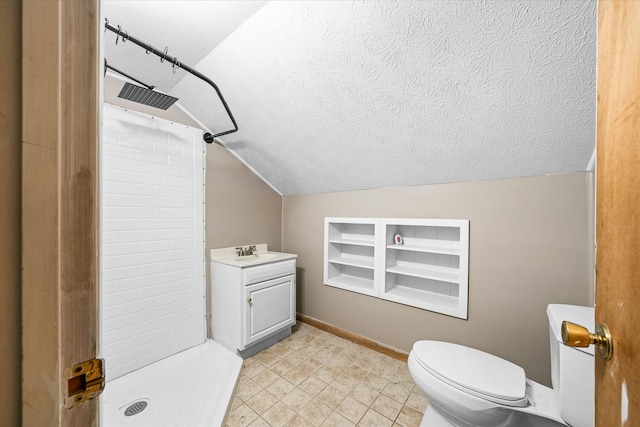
<point>249,300</point>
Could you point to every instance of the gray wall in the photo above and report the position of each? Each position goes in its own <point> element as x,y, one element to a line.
<point>531,244</point>
<point>240,208</point>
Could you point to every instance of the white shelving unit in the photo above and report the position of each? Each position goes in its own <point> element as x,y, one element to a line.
<point>430,270</point>
<point>350,254</point>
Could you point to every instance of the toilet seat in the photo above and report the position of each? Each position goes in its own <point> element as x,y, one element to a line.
<point>473,371</point>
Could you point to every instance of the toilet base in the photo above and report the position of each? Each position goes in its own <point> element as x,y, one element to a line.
<point>433,418</point>
<point>436,417</point>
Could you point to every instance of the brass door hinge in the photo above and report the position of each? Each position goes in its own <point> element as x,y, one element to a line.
<point>85,381</point>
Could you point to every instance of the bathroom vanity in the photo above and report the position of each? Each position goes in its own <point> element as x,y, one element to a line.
<point>253,298</point>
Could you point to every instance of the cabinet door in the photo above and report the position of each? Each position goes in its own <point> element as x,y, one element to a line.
<point>269,307</point>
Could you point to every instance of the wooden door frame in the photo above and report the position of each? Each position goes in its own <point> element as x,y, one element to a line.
<point>10,216</point>
<point>60,228</point>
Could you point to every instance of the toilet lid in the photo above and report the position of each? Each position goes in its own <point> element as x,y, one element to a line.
<point>473,371</point>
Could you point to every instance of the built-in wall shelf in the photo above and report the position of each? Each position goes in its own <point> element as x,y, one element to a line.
<point>427,268</point>
<point>350,254</point>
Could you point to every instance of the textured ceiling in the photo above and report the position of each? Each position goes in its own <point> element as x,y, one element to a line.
<point>189,29</point>
<point>341,95</point>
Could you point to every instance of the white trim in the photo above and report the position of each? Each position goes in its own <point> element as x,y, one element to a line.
<point>591,166</point>
<point>221,142</point>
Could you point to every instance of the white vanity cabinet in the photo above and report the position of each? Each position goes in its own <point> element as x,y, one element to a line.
<point>252,307</point>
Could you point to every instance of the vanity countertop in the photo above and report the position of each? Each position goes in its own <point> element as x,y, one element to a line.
<point>261,256</point>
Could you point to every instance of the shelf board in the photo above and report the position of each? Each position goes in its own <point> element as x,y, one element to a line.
<point>354,262</point>
<point>355,242</point>
<point>357,284</point>
<point>443,274</point>
<point>426,248</point>
<point>413,296</point>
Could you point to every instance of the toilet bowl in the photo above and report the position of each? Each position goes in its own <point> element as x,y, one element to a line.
<point>469,388</point>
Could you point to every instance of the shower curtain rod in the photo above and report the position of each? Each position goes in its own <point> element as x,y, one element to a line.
<point>122,73</point>
<point>175,63</point>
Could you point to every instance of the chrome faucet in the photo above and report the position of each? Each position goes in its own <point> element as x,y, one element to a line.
<point>249,250</point>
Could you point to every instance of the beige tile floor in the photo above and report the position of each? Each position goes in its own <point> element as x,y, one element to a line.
<point>314,378</point>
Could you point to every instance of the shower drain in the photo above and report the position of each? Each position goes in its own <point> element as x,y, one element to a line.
<point>135,408</point>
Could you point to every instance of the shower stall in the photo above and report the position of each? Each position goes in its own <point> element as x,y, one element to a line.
<point>161,370</point>
<point>152,239</point>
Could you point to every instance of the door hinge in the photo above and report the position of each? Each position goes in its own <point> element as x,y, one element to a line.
<point>85,381</point>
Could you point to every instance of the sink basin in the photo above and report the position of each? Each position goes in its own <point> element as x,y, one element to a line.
<point>255,257</point>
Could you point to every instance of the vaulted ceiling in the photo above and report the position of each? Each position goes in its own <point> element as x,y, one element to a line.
<point>346,95</point>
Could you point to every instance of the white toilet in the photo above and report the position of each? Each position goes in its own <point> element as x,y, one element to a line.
<point>471,388</point>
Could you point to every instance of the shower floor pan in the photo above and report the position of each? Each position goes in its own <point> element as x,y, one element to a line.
<point>191,388</point>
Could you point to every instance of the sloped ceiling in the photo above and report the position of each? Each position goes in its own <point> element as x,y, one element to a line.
<point>342,95</point>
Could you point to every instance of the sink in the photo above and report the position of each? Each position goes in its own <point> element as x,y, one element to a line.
<point>262,256</point>
<point>255,257</point>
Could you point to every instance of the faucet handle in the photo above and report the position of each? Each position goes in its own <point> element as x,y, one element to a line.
<point>239,251</point>
<point>252,248</point>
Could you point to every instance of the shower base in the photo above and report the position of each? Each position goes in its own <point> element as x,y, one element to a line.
<point>191,388</point>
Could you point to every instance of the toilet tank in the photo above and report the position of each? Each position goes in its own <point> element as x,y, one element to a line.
<point>572,369</point>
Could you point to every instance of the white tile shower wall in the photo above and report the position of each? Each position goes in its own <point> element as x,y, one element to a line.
<point>152,293</point>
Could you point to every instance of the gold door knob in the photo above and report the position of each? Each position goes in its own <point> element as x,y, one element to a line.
<point>249,300</point>
<point>578,336</point>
